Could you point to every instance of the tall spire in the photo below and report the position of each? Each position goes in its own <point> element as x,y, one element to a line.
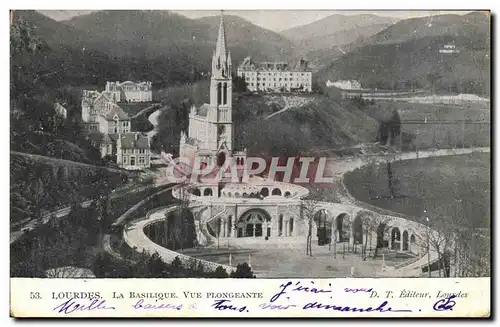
<point>220,50</point>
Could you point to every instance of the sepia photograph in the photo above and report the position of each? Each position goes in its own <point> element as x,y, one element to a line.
<point>254,144</point>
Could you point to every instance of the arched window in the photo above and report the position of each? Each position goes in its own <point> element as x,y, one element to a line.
<point>219,87</point>
<point>276,191</point>
<point>224,94</point>
<point>207,192</point>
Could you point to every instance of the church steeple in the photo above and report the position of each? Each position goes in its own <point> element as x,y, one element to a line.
<point>221,50</point>
<point>221,89</point>
<point>221,60</point>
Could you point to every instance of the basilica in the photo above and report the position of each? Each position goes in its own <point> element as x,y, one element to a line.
<point>210,135</point>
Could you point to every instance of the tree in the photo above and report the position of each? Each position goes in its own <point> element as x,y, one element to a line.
<point>219,272</point>
<point>39,197</point>
<point>382,229</point>
<point>369,227</point>
<point>307,213</point>
<point>432,78</point>
<point>239,84</point>
<point>243,270</point>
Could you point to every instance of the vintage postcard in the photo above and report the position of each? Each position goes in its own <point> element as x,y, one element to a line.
<point>168,163</point>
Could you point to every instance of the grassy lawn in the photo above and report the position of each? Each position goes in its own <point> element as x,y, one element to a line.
<point>455,186</point>
<point>438,135</point>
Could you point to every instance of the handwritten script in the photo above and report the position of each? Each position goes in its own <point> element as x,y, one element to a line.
<point>72,305</point>
<point>445,304</point>
<point>298,287</point>
<point>147,306</point>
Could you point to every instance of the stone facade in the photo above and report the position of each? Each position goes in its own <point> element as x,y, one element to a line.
<point>131,91</point>
<point>276,76</point>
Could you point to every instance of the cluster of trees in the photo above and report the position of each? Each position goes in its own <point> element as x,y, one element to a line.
<point>38,186</point>
<point>35,126</point>
<point>59,243</point>
<point>74,239</point>
<point>152,266</point>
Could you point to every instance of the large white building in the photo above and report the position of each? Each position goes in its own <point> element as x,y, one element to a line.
<point>210,133</point>
<point>130,91</point>
<point>276,76</point>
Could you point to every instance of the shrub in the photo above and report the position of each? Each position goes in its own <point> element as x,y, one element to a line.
<point>243,270</point>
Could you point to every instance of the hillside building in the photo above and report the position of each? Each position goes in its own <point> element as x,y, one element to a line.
<point>111,131</point>
<point>210,133</point>
<point>114,121</point>
<point>95,104</point>
<point>449,48</point>
<point>276,76</point>
<point>131,91</point>
<point>345,85</point>
<point>132,150</point>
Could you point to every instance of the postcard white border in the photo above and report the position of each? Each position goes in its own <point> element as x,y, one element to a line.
<point>313,4</point>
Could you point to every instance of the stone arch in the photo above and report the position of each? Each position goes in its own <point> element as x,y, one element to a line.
<point>254,223</point>
<point>381,231</point>
<point>395,238</point>
<point>287,194</point>
<point>276,191</point>
<point>342,224</point>
<point>229,194</point>
<point>357,229</point>
<point>208,192</point>
<point>245,194</point>
<point>406,245</point>
<point>323,227</point>
<point>197,192</point>
<point>264,192</point>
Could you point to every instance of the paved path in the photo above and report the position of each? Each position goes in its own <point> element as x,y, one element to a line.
<point>287,106</point>
<point>151,107</point>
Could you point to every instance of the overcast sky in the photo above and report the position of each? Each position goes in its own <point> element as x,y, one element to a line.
<point>276,20</point>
